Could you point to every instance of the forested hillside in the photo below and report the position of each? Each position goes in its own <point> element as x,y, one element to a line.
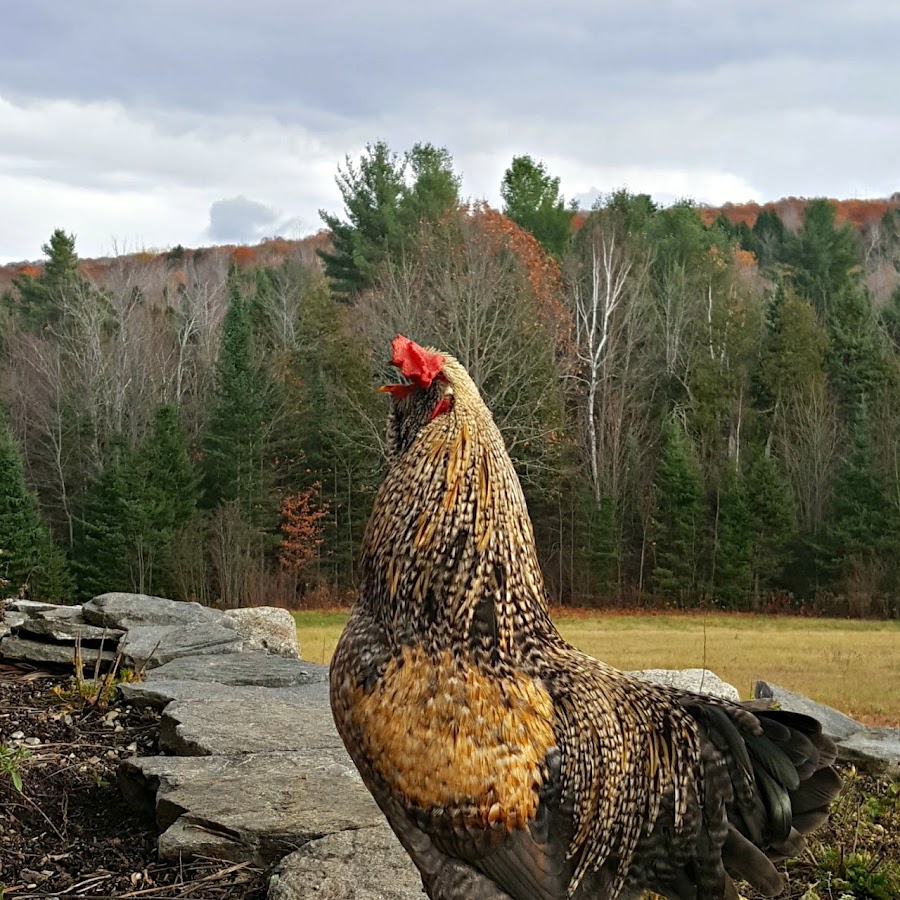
<point>703,405</point>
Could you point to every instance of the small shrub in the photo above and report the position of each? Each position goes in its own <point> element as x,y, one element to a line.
<point>11,759</point>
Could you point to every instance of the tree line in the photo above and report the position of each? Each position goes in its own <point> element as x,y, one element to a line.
<point>702,413</point>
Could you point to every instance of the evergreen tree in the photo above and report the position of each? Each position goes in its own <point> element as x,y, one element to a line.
<point>634,211</point>
<point>823,257</point>
<point>37,300</point>
<point>434,189</point>
<point>102,558</point>
<point>677,516</point>
<point>771,522</point>
<point>386,197</point>
<point>333,369</point>
<point>794,347</point>
<point>237,465</point>
<point>733,541</point>
<point>768,240</point>
<point>30,563</point>
<point>860,516</point>
<point>531,199</point>
<point>133,511</point>
<point>855,358</point>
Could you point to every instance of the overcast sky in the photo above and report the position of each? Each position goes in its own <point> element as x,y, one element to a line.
<point>148,123</point>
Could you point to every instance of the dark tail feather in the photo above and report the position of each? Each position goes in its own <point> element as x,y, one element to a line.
<point>742,859</point>
<point>816,793</point>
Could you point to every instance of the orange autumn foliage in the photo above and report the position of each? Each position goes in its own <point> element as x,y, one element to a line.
<point>540,269</point>
<point>858,213</point>
<point>243,257</point>
<point>301,532</point>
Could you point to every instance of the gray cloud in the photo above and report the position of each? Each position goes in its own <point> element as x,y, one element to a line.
<point>185,101</point>
<point>239,220</point>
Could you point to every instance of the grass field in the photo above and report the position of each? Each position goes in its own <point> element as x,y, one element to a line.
<point>849,664</point>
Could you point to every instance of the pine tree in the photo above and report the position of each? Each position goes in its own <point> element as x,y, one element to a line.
<point>30,563</point>
<point>236,463</point>
<point>771,522</point>
<point>37,300</point>
<point>677,516</point>
<point>733,541</point>
<point>386,198</point>
<point>133,511</point>
<point>531,199</point>
<point>855,357</point>
<point>768,240</point>
<point>860,516</point>
<point>102,552</point>
<point>822,256</point>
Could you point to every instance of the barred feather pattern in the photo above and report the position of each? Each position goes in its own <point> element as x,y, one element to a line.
<point>452,632</point>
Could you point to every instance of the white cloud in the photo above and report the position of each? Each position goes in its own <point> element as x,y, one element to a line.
<point>147,177</point>
<point>762,100</point>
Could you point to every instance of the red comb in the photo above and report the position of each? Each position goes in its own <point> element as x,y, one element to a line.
<point>415,362</point>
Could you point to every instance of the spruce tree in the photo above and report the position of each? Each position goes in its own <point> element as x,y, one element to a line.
<point>822,256</point>
<point>30,563</point>
<point>102,554</point>
<point>531,198</point>
<point>855,357</point>
<point>236,463</point>
<point>860,517</point>
<point>768,240</point>
<point>37,300</point>
<point>677,516</point>
<point>733,541</point>
<point>133,511</point>
<point>771,522</point>
<point>386,198</point>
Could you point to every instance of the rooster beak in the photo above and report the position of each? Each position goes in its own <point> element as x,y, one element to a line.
<point>398,390</point>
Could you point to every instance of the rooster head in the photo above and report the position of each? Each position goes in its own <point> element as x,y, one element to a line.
<point>426,394</point>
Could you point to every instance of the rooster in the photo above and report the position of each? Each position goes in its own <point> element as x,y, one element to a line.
<point>510,765</point>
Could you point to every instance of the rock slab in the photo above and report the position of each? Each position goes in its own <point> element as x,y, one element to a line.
<point>253,808</point>
<point>835,724</point>
<point>267,628</point>
<point>874,750</point>
<point>148,646</point>
<point>366,864</point>
<point>120,610</point>
<point>236,727</point>
<point>13,647</point>
<point>698,681</point>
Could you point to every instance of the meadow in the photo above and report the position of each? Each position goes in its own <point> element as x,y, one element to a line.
<point>852,665</point>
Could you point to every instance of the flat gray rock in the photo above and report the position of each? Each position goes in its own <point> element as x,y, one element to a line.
<point>254,808</point>
<point>158,693</point>
<point>13,619</point>
<point>119,610</point>
<point>69,630</point>
<point>153,645</point>
<point>873,750</point>
<point>234,727</point>
<point>267,628</point>
<point>257,669</point>
<point>12,647</point>
<point>834,723</point>
<point>698,681</point>
<point>4,630</point>
<point>366,864</point>
<point>57,613</point>
<point>29,606</point>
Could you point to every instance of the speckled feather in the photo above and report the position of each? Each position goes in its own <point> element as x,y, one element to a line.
<point>509,764</point>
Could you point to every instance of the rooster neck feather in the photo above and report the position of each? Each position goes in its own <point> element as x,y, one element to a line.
<point>449,558</point>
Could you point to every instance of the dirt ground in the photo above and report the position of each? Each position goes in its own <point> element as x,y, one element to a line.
<point>68,832</point>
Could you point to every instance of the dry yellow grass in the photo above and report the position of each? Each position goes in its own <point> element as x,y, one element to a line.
<point>851,665</point>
